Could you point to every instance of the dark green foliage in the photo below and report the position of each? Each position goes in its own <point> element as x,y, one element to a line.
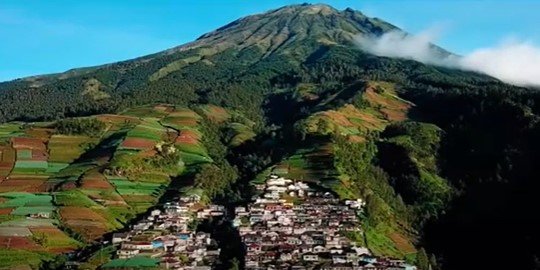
<point>409,153</point>
<point>422,260</point>
<point>215,181</point>
<point>80,126</point>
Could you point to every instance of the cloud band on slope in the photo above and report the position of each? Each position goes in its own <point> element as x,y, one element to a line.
<point>512,61</point>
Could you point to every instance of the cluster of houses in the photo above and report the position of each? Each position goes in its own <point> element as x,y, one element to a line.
<point>169,235</point>
<point>292,226</point>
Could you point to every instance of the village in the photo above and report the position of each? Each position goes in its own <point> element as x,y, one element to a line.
<point>293,226</point>
<point>290,225</point>
<point>168,239</point>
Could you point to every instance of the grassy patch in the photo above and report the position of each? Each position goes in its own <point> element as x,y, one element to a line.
<point>10,258</point>
<point>73,198</point>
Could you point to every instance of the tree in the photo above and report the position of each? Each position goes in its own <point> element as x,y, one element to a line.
<point>235,264</point>
<point>422,260</point>
<point>433,262</point>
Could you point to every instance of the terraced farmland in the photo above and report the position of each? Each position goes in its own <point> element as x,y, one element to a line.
<point>61,191</point>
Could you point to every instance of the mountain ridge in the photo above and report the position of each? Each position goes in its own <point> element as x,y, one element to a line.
<point>204,40</point>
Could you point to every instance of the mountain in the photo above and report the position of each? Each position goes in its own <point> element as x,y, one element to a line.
<point>445,159</point>
<point>246,46</point>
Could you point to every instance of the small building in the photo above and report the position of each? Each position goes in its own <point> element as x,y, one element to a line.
<point>119,237</point>
<point>310,257</point>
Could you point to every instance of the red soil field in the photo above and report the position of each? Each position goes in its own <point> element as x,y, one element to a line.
<point>6,165</point>
<point>28,143</point>
<point>95,183</point>
<point>26,185</point>
<point>68,186</point>
<point>39,155</point>
<point>188,137</point>
<point>5,211</point>
<point>79,213</point>
<point>148,153</point>
<point>138,143</point>
<point>18,242</point>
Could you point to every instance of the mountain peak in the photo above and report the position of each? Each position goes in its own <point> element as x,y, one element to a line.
<point>276,29</point>
<point>307,8</point>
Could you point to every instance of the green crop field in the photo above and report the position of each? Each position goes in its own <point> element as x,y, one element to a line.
<point>55,167</point>
<point>195,149</point>
<point>132,263</point>
<point>10,130</point>
<point>65,149</point>
<point>28,210</point>
<point>145,111</point>
<point>24,154</point>
<point>154,177</point>
<point>76,169</point>
<point>126,187</point>
<point>11,258</point>
<point>73,198</point>
<point>19,199</point>
<point>242,133</point>
<point>191,159</point>
<point>29,222</point>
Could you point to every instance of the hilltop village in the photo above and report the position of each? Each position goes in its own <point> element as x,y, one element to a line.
<point>293,226</point>
<point>290,225</point>
<point>168,238</point>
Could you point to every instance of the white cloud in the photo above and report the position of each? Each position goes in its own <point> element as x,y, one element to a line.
<point>515,62</point>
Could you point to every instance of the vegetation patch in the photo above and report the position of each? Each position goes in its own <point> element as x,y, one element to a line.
<point>64,149</point>
<point>135,262</point>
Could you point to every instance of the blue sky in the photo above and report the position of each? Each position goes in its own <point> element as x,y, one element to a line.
<point>50,36</point>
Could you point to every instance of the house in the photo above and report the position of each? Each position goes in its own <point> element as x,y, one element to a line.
<point>119,237</point>
<point>285,257</point>
<point>319,249</point>
<point>240,210</point>
<point>137,245</point>
<point>127,253</point>
<point>368,258</point>
<point>278,182</point>
<point>254,248</point>
<point>339,259</point>
<point>41,215</point>
<point>310,257</point>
